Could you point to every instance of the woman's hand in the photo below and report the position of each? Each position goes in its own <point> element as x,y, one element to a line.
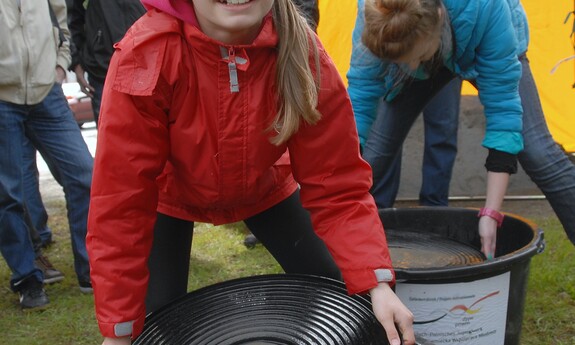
<point>496,187</point>
<point>117,341</point>
<point>390,312</point>
<point>488,233</point>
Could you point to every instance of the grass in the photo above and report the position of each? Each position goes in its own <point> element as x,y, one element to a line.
<point>218,254</point>
<point>550,302</point>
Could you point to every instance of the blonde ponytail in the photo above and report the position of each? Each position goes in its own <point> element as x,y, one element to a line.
<point>392,27</point>
<point>298,86</point>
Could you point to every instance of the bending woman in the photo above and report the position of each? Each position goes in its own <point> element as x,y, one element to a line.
<point>405,51</point>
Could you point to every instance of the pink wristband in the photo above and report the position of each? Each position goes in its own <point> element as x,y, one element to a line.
<point>491,213</point>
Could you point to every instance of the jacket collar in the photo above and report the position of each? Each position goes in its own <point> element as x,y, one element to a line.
<point>267,36</point>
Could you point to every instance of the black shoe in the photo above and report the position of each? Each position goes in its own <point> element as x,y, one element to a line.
<point>250,241</point>
<point>86,287</point>
<point>51,274</point>
<point>48,243</point>
<point>32,295</point>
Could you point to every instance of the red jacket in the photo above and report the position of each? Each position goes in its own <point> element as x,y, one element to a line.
<point>174,138</point>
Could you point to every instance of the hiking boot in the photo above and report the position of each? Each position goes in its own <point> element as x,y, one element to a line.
<point>32,295</point>
<point>51,274</point>
<point>86,287</point>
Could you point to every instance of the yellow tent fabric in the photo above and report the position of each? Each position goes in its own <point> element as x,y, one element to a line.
<point>336,22</point>
<point>550,43</point>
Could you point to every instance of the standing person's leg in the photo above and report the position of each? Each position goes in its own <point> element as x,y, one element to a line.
<point>385,192</point>
<point>169,261</point>
<point>34,235</point>
<point>36,215</point>
<point>15,243</point>
<point>53,131</point>
<point>50,273</point>
<point>36,209</point>
<point>97,99</point>
<point>286,231</point>
<point>542,159</point>
<point>440,119</point>
<point>390,128</point>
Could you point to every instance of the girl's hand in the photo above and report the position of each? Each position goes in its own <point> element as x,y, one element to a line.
<point>117,341</point>
<point>390,312</point>
<point>488,233</point>
<point>496,188</point>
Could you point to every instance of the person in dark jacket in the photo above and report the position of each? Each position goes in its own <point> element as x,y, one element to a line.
<point>94,30</point>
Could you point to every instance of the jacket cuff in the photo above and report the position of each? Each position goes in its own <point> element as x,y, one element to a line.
<point>361,281</point>
<point>499,161</point>
<point>131,328</point>
<point>64,63</point>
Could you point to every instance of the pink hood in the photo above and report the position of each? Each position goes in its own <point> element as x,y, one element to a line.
<point>181,9</point>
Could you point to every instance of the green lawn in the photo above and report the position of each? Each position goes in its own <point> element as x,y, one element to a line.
<point>550,305</point>
<point>219,254</point>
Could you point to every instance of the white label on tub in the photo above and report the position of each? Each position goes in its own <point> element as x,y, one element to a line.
<point>459,313</point>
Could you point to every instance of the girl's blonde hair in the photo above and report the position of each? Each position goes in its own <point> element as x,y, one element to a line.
<point>298,86</point>
<point>392,27</point>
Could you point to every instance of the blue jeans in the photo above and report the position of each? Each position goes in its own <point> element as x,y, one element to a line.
<point>32,196</point>
<point>440,120</point>
<point>383,146</point>
<point>52,130</point>
<point>542,159</point>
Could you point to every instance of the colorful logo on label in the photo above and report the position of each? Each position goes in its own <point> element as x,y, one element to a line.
<point>459,308</point>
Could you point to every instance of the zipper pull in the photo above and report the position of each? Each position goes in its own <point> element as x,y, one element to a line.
<point>233,70</point>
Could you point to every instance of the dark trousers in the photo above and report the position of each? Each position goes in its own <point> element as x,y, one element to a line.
<point>284,229</point>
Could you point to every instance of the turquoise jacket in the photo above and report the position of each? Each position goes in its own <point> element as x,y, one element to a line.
<point>489,36</point>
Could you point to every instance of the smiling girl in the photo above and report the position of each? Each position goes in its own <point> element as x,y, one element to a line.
<point>203,100</point>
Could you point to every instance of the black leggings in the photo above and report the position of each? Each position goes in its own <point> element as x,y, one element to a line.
<point>284,229</point>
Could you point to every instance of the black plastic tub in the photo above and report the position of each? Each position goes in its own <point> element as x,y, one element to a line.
<point>468,300</point>
<point>280,309</point>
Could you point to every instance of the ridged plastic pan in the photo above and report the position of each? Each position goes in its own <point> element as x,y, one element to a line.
<point>420,250</point>
<point>282,309</point>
